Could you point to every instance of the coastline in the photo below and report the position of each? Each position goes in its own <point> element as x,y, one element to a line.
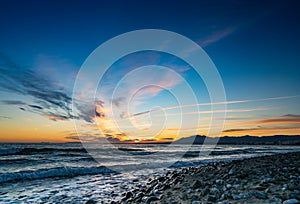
<point>263,179</point>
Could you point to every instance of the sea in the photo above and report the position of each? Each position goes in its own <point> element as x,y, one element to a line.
<point>69,173</point>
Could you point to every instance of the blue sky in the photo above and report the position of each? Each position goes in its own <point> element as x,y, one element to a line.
<point>254,45</point>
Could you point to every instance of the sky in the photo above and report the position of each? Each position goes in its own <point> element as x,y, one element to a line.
<point>43,44</point>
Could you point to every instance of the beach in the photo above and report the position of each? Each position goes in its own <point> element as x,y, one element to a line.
<point>263,179</point>
<point>66,173</point>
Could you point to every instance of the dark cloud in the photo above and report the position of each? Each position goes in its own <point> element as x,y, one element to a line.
<point>119,101</point>
<point>284,119</point>
<point>168,138</point>
<point>72,137</point>
<point>113,140</point>
<point>29,83</point>
<point>51,100</point>
<point>12,102</point>
<point>261,128</point>
<point>242,129</point>
<point>36,107</point>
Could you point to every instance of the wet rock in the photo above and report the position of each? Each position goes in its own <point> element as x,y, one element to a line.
<point>228,186</point>
<point>129,194</point>
<point>219,181</point>
<point>267,180</point>
<point>211,198</point>
<point>260,195</point>
<point>237,196</point>
<point>214,190</point>
<point>291,201</point>
<point>231,172</point>
<point>151,199</point>
<point>91,201</point>
<point>194,198</point>
<point>144,199</point>
<point>205,191</point>
<point>196,184</point>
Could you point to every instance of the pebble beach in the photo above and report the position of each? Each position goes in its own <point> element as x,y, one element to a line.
<point>264,179</point>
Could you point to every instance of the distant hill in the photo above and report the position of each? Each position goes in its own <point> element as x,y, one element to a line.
<point>249,140</point>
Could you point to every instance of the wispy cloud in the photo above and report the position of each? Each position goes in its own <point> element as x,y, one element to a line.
<point>284,119</point>
<point>264,130</point>
<point>288,123</point>
<point>50,100</point>
<point>217,36</point>
<point>215,103</point>
<point>4,117</point>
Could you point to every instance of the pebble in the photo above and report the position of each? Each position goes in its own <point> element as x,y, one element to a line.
<point>219,181</point>
<point>228,182</point>
<point>260,195</point>
<point>291,201</point>
<point>196,184</point>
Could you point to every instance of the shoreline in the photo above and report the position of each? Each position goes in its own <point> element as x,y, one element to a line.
<point>263,179</point>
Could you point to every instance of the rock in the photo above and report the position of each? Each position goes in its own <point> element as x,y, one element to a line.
<point>91,201</point>
<point>155,192</point>
<point>291,201</point>
<point>231,172</point>
<point>194,198</point>
<point>291,187</point>
<point>214,190</point>
<point>248,195</point>
<point>144,199</point>
<point>219,181</point>
<point>260,195</point>
<point>267,180</point>
<point>196,202</point>
<point>237,196</point>
<point>129,195</point>
<point>140,194</point>
<point>152,198</point>
<point>197,184</point>
<point>228,186</point>
<point>183,196</point>
<point>268,190</point>
<point>211,198</point>
<point>260,187</point>
<point>205,191</point>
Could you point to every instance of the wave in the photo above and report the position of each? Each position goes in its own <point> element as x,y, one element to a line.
<point>192,154</point>
<point>135,151</point>
<point>29,151</point>
<point>54,172</point>
<point>130,149</point>
<point>236,151</point>
<point>13,161</point>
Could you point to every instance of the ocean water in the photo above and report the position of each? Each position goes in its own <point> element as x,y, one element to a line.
<point>56,173</point>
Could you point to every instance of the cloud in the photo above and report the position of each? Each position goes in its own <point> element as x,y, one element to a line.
<point>36,107</point>
<point>260,128</point>
<point>12,102</point>
<point>55,117</point>
<point>216,103</point>
<point>4,117</point>
<point>29,83</point>
<point>167,138</point>
<point>284,119</point>
<point>217,36</point>
<point>51,101</point>
<point>289,123</point>
<point>118,101</point>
